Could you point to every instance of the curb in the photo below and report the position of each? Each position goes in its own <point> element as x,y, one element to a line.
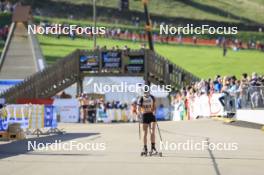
<point>229,120</point>
<point>223,119</point>
<point>218,118</point>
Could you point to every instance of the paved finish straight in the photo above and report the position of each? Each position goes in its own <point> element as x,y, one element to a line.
<point>122,153</point>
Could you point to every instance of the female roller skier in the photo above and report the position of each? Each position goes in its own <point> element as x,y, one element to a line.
<point>146,109</point>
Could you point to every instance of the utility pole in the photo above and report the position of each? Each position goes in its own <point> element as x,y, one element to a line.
<point>148,26</point>
<point>95,21</point>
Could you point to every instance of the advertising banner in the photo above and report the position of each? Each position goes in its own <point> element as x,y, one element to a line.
<point>135,64</point>
<point>111,59</point>
<point>67,109</point>
<point>216,108</point>
<point>29,116</point>
<point>205,106</point>
<point>36,116</point>
<point>50,117</point>
<point>89,63</point>
<point>14,114</point>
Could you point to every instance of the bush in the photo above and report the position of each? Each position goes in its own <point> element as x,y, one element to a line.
<point>5,19</point>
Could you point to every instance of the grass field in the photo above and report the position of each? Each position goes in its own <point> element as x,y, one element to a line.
<point>201,60</point>
<point>243,35</point>
<point>218,10</point>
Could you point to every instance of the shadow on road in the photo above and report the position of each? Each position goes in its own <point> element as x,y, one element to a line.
<point>21,147</point>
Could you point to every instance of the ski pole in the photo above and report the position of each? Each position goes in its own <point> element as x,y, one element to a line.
<point>159,131</point>
<point>139,129</point>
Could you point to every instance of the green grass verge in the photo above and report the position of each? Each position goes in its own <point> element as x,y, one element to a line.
<point>203,61</point>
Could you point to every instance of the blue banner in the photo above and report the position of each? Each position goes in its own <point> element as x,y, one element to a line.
<point>50,118</point>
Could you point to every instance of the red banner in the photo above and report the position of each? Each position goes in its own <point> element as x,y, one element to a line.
<point>34,101</point>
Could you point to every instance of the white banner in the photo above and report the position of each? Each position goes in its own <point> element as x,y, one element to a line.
<point>68,109</point>
<point>202,106</point>
<point>216,108</point>
<point>206,106</point>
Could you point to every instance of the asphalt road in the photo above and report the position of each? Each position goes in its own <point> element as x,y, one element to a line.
<point>115,149</point>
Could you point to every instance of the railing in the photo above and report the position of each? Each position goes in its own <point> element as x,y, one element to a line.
<point>65,72</point>
<point>167,72</point>
<point>7,43</point>
<point>251,97</point>
<point>48,82</point>
<point>36,50</point>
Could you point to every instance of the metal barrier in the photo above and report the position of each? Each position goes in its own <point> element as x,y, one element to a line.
<point>251,97</point>
<point>229,102</point>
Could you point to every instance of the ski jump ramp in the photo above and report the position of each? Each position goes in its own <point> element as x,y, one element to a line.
<point>19,61</point>
<point>21,56</point>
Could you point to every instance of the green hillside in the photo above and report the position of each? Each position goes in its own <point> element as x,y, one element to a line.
<point>201,60</point>
<point>218,10</point>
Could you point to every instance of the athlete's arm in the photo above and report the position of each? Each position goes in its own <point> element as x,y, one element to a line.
<point>154,104</point>
<point>139,106</point>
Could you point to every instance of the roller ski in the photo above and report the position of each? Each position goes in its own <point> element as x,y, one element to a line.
<point>144,152</point>
<point>154,152</point>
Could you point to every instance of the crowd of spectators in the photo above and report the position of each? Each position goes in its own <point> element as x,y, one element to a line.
<point>4,32</point>
<point>247,92</point>
<point>93,108</point>
<point>7,6</point>
<point>140,35</point>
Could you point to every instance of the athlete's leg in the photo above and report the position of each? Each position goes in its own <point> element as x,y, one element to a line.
<point>85,115</point>
<point>152,136</point>
<point>145,130</point>
<point>81,115</point>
